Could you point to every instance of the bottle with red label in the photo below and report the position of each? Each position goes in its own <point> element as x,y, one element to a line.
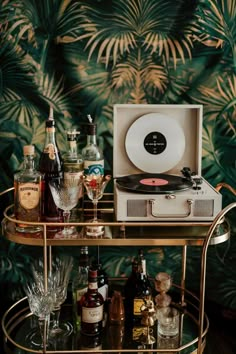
<point>92,307</point>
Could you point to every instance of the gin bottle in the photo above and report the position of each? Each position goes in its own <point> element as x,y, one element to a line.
<point>73,165</point>
<point>91,153</point>
<point>27,193</point>
<point>50,165</point>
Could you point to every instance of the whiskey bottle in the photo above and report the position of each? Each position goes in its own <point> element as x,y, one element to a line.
<point>73,165</point>
<point>91,153</point>
<point>27,193</point>
<point>50,165</point>
<point>80,285</point>
<point>92,307</point>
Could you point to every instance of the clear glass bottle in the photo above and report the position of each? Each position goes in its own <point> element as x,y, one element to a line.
<point>73,164</point>
<point>80,285</point>
<point>27,193</point>
<point>92,307</point>
<point>50,165</point>
<point>91,153</point>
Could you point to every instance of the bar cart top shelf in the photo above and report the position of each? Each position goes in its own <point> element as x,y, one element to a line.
<point>117,233</point>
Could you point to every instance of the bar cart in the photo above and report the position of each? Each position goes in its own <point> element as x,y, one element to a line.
<point>194,322</point>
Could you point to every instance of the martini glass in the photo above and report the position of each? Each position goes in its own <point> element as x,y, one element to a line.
<point>66,195</point>
<point>95,186</point>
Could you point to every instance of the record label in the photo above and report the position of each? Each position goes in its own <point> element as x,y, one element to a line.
<point>153,182</point>
<point>155,143</point>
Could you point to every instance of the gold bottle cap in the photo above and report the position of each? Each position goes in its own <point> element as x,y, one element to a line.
<point>28,150</point>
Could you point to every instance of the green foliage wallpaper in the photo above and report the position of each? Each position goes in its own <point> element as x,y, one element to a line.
<point>82,57</point>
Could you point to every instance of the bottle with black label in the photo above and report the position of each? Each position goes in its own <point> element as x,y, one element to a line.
<point>50,165</point>
<point>91,153</point>
<point>27,193</point>
<point>92,307</point>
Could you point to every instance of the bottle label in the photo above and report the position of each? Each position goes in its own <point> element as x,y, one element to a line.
<point>138,302</point>
<point>92,314</point>
<point>51,150</point>
<point>29,195</point>
<point>94,167</point>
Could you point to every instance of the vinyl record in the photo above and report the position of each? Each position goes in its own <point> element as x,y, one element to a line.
<point>153,183</point>
<point>155,143</point>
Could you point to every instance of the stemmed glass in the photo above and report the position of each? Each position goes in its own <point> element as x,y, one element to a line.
<point>66,195</point>
<point>41,304</point>
<point>58,280</point>
<point>95,186</point>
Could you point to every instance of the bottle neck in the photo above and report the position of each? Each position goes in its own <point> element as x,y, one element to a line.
<point>91,140</point>
<point>29,162</point>
<point>72,148</point>
<point>50,136</point>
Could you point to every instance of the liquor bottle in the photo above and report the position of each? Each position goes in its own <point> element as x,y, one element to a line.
<point>80,285</point>
<point>137,289</point>
<point>130,291</point>
<point>91,153</point>
<point>50,165</point>
<point>102,288</point>
<point>102,280</point>
<point>27,193</point>
<point>73,165</point>
<point>92,307</point>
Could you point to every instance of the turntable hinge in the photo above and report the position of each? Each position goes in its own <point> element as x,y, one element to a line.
<point>153,213</point>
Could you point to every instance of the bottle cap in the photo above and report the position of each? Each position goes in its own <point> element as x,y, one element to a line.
<point>91,129</point>
<point>28,150</point>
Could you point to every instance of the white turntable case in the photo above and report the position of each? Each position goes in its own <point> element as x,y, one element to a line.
<point>188,205</point>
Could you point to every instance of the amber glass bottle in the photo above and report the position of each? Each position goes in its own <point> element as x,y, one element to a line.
<point>50,165</point>
<point>92,307</point>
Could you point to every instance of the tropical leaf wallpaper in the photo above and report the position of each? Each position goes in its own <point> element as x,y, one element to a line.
<point>82,57</point>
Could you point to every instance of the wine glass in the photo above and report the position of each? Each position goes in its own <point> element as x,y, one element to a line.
<point>163,282</point>
<point>66,195</point>
<point>58,280</point>
<point>95,186</point>
<point>40,302</point>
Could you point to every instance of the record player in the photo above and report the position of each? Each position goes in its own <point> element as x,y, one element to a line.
<point>157,164</point>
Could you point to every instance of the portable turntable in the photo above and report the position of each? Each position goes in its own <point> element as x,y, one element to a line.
<point>157,164</point>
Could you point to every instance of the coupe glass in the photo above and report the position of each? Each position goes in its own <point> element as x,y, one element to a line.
<point>41,304</point>
<point>95,186</point>
<point>66,195</point>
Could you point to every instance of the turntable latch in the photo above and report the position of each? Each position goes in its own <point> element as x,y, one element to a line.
<point>170,196</point>
<point>154,209</point>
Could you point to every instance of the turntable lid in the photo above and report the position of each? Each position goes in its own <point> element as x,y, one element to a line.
<point>156,139</point>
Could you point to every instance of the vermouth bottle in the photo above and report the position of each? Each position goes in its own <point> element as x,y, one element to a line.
<point>27,193</point>
<point>92,307</point>
<point>91,153</point>
<point>50,165</point>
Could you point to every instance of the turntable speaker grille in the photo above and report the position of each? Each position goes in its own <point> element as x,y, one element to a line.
<point>136,208</point>
<point>203,207</point>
